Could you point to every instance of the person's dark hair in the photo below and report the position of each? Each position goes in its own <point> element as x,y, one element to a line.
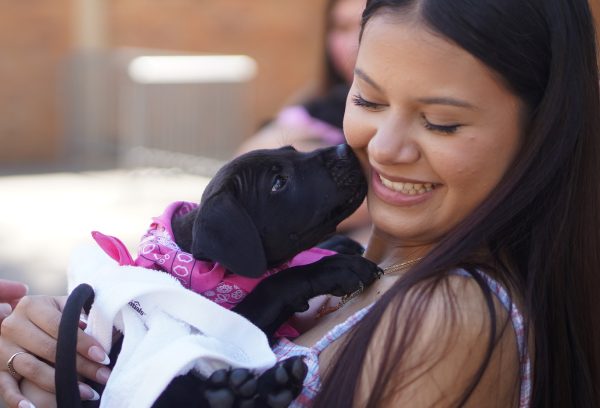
<point>541,224</point>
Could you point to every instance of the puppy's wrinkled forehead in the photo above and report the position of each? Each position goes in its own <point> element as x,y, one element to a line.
<point>251,168</point>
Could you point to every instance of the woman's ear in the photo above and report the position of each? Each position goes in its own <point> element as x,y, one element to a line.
<point>223,232</point>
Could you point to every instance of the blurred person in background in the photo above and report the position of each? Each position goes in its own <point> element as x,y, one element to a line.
<point>317,120</point>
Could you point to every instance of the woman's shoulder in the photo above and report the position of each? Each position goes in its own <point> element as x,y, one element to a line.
<point>443,332</point>
<point>467,297</point>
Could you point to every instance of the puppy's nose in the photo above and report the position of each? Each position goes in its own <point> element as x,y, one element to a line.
<point>342,151</point>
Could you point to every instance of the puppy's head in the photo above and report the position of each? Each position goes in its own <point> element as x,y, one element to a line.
<point>266,206</point>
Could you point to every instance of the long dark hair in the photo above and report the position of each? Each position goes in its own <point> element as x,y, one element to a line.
<point>540,226</point>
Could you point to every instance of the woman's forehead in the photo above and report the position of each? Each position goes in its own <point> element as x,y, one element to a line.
<point>405,56</point>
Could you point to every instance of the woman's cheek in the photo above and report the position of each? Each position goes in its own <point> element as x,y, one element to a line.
<point>357,129</point>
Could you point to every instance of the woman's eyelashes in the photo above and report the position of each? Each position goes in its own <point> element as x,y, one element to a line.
<point>363,103</point>
<point>445,129</point>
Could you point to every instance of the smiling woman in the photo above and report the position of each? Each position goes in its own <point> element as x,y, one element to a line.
<point>478,129</point>
<point>435,138</point>
<point>477,126</point>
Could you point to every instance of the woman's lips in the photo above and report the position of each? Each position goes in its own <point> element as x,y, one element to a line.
<point>401,192</point>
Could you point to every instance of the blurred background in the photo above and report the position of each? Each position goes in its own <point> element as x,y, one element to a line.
<point>63,61</point>
<point>110,109</point>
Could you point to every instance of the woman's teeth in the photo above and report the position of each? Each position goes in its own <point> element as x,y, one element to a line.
<point>407,188</point>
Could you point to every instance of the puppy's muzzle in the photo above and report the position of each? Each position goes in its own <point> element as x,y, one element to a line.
<point>344,167</point>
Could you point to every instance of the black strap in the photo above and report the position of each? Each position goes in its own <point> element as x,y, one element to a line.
<point>65,377</point>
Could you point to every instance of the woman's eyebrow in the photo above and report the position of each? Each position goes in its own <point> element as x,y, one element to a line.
<point>428,101</point>
<point>359,73</point>
<point>446,101</point>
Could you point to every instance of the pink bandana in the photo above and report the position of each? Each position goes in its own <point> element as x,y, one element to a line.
<point>158,250</point>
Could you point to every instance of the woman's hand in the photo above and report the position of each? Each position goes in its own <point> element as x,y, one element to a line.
<point>33,328</point>
<point>10,293</point>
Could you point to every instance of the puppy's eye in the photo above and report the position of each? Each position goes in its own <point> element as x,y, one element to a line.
<point>278,183</point>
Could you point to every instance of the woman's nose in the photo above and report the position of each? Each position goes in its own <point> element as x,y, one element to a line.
<point>393,142</point>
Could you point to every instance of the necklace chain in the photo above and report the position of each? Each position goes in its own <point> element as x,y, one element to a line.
<point>400,267</point>
<point>390,270</point>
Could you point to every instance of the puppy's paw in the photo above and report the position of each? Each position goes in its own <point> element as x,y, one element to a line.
<point>229,388</point>
<point>358,273</point>
<point>240,388</point>
<point>282,383</point>
<point>367,271</point>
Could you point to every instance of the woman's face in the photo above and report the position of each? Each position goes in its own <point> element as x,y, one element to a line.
<point>434,128</point>
<point>342,38</point>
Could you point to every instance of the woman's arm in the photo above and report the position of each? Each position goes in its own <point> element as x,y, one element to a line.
<point>33,327</point>
<point>446,353</point>
<point>276,134</point>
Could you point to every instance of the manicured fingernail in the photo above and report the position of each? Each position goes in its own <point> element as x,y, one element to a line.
<point>5,309</point>
<point>25,404</point>
<point>102,375</point>
<point>82,325</point>
<point>83,321</point>
<point>88,393</point>
<point>97,354</point>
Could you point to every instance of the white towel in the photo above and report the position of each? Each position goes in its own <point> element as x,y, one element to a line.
<point>168,329</point>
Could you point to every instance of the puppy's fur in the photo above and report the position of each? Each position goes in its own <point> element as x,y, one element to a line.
<point>259,211</point>
<point>269,205</point>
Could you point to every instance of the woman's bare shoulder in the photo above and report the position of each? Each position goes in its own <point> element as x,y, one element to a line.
<point>443,333</point>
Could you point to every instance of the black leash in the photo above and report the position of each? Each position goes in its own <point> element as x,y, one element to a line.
<point>65,377</point>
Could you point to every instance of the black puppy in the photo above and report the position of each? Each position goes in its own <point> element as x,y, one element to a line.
<point>270,205</point>
<point>259,211</point>
<point>267,206</point>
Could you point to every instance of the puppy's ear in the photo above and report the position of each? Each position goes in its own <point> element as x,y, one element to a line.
<point>224,232</point>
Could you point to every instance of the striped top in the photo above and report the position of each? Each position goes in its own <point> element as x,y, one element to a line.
<point>284,348</point>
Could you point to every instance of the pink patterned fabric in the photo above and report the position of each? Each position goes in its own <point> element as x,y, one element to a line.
<point>158,250</point>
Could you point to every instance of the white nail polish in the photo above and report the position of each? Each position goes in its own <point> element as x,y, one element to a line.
<point>26,404</point>
<point>98,355</point>
<point>95,397</point>
<point>5,309</point>
<point>88,393</point>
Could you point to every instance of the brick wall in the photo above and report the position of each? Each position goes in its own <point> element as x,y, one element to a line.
<point>282,35</point>
<point>37,36</point>
<point>34,36</point>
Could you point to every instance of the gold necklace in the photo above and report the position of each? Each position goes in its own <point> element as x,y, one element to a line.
<point>390,270</point>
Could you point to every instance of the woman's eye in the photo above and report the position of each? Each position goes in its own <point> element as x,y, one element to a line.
<point>362,102</point>
<point>446,129</point>
<point>278,183</point>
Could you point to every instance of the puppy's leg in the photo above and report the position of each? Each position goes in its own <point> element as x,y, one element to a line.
<point>277,298</point>
<point>342,244</point>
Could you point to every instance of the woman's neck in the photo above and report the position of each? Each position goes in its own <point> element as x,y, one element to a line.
<point>385,251</point>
